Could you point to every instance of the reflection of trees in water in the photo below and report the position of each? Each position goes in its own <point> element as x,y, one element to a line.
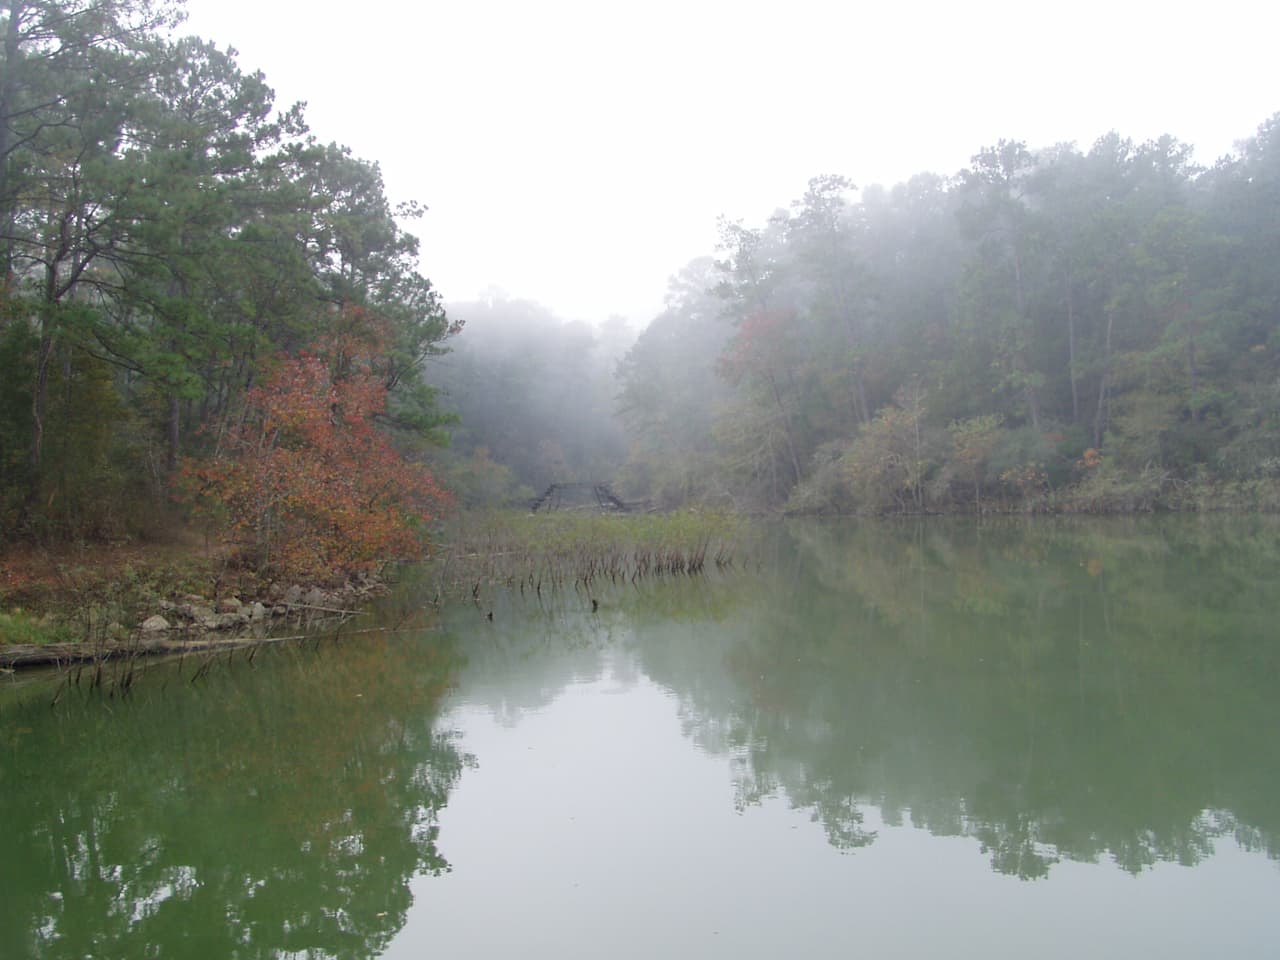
<point>278,809</point>
<point>522,659</point>
<point>1055,690</point>
<point>535,646</point>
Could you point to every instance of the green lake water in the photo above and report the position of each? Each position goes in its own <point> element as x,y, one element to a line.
<point>1012,739</point>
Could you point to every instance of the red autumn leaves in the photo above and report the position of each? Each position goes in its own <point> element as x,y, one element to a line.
<point>305,481</point>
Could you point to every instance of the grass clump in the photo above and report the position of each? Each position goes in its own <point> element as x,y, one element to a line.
<point>561,549</point>
<point>18,627</point>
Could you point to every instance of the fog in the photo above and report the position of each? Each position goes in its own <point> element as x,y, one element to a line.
<point>822,259</point>
<point>803,259</point>
<point>578,154</point>
<point>535,399</point>
<point>1048,328</point>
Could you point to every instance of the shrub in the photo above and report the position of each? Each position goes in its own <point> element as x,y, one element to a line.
<point>826,489</point>
<point>305,482</point>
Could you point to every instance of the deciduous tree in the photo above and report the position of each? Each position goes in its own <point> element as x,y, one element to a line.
<point>305,480</point>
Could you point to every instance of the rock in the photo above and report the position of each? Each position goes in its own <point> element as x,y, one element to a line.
<point>196,612</point>
<point>153,624</point>
<point>275,591</point>
<point>227,620</point>
<point>315,598</point>
<point>279,610</point>
<point>257,611</point>
<point>211,622</point>
<point>227,605</point>
<point>293,594</point>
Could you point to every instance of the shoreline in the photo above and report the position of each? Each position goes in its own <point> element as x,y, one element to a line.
<point>122,602</point>
<point>116,602</point>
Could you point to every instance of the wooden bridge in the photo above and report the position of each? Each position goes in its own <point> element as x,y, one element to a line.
<point>578,495</point>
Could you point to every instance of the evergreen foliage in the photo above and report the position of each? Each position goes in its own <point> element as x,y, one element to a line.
<point>1102,321</point>
<point>167,234</point>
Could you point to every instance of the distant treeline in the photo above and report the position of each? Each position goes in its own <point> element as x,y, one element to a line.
<point>170,242</point>
<point>1052,329</point>
<point>534,397</point>
<point>1057,328</point>
<point>200,300</point>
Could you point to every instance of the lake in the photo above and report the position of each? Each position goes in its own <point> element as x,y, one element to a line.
<point>1016,738</point>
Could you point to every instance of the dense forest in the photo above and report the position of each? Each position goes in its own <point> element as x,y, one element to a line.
<point>1049,329</point>
<point>202,303</point>
<point>207,309</point>
<point>1056,327</point>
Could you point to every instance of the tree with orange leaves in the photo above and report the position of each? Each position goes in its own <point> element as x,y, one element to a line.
<point>305,481</point>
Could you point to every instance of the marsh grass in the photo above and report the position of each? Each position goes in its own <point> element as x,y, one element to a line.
<point>19,627</point>
<point>561,550</point>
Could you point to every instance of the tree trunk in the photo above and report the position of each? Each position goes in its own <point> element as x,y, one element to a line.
<point>44,356</point>
<point>174,432</point>
<point>864,413</point>
<point>1071,347</point>
<point>39,406</point>
<point>1193,370</point>
<point>1099,418</point>
<point>860,409</point>
<point>786,427</point>
<point>8,105</point>
<point>1033,405</point>
<point>1183,308</point>
<point>1020,360</point>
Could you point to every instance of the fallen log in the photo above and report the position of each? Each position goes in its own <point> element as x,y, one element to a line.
<point>18,656</point>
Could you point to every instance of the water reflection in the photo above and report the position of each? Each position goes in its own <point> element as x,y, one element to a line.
<point>272,810</point>
<point>1054,691</point>
<point>1059,690</point>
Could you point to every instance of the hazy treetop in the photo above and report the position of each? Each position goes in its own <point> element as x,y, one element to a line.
<point>579,153</point>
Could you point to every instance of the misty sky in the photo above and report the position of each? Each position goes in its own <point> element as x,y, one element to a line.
<point>579,153</point>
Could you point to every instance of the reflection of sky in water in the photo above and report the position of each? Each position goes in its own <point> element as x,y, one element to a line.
<point>953,706</point>
<point>594,827</point>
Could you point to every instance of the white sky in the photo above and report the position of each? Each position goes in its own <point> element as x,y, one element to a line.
<point>578,154</point>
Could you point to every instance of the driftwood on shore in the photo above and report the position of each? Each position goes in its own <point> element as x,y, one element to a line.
<point>19,656</point>
<point>60,654</point>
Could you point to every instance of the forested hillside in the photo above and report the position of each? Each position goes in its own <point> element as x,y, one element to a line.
<point>1065,328</point>
<point>201,301</point>
<point>206,311</point>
